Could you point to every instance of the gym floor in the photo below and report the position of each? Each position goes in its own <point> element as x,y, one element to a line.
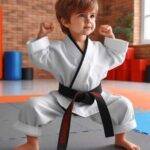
<point>84,134</point>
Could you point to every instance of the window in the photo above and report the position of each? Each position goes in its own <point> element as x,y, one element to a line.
<point>145,37</point>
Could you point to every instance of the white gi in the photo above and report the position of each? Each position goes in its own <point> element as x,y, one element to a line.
<point>62,58</point>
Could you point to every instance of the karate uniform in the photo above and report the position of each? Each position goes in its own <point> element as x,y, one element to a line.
<point>79,70</point>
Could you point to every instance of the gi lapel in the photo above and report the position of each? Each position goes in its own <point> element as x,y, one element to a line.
<point>83,68</point>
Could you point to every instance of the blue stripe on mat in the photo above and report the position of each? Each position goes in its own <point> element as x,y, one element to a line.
<point>143,122</point>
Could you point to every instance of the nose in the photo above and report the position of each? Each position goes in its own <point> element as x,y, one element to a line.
<point>87,20</point>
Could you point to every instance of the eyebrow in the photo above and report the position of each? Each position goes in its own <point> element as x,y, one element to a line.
<point>86,12</point>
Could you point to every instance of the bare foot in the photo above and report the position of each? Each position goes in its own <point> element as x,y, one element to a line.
<point>28,146</point>
<point>127,145</point>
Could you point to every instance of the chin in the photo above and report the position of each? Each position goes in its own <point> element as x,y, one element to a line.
<point>87,34</point>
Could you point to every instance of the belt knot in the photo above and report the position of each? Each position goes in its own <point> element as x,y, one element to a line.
<point>85,97</point>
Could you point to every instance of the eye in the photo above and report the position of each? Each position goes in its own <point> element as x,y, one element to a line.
<point>93,16</point>
<point>81,15</point>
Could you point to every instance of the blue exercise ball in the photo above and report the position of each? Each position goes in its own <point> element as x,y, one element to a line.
<point>12,65</point>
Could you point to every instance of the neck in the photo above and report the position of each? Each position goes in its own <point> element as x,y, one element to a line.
<point>80,40</point>
<point>78,37</point>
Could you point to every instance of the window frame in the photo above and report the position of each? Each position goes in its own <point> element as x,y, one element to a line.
<point>143,17</point>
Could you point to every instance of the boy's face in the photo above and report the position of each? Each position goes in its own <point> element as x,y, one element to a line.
<point>82,23</point>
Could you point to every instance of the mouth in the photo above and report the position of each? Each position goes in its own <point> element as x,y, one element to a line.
<point>87,27</point>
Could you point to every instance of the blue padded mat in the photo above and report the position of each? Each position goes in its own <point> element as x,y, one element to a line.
<point>143,122</point>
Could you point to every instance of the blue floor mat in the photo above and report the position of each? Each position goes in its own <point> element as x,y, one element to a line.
<point>143,122</point>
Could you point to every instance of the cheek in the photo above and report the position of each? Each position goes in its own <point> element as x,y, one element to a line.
<point>94,24</point>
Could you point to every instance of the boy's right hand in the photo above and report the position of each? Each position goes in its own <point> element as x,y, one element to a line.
<point>45,28</point>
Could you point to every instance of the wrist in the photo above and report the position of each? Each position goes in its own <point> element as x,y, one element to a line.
<point>112,36</point>
<point>40,36</point>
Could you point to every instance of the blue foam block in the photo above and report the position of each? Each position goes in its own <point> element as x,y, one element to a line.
<point>143,122</point>
<point>12,65</point>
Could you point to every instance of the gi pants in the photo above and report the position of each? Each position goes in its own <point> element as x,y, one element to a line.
<point>39,111</point>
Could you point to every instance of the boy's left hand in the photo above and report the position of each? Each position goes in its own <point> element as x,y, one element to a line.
<point>106,30</point>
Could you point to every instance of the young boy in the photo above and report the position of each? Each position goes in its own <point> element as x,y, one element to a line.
<point>77,63</point>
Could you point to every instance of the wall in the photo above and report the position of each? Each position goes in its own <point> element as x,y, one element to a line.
<point>22,19</point>
<point>1,41</point>
<point>142,51</point>
<point>137,21</point>
<point>21,23</point>
<point>113,9</point>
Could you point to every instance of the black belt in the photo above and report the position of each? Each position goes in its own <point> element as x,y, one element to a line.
<point>87,98</point>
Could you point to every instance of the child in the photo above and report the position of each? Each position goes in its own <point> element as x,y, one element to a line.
<point>77,63</point>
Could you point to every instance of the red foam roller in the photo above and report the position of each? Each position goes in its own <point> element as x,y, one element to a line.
<point>122,75</point>
<point>111,75</point>
<point>139,64</point>
<point>137,76</point>
<point>130,53</point>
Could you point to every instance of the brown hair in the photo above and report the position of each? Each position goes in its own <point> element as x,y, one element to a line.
<point>65,8</point>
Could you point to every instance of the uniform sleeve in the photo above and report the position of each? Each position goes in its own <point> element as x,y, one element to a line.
<point>40,53</point>
<point>116,49</point>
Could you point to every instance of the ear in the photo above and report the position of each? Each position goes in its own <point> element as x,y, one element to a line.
<point>65,22</point>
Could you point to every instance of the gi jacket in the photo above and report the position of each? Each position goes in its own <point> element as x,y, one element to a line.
<point>64,59</point>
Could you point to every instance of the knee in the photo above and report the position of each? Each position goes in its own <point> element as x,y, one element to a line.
<point>127,110</point>
<point>125,104</point>
<point>32,103</point>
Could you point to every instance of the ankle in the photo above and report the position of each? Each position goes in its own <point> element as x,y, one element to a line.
<point>32,140</point>
<point>120,137</point>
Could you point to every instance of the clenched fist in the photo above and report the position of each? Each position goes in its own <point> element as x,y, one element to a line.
<point>45,28</point>
<point>106,30</point>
